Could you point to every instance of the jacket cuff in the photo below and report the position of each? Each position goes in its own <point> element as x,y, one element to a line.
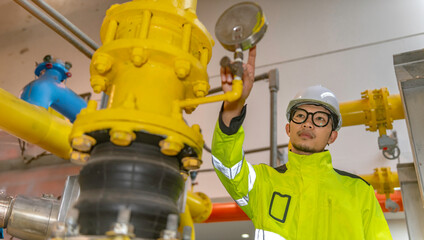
<point>235,123</point>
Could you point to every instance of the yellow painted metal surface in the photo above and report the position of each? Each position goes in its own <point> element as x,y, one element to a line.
<point>187,220</point>
<point>376,109</point>
<point>35,125</point>
<point>152,65</point>
<point>200,206</point>
<point>383,180</point>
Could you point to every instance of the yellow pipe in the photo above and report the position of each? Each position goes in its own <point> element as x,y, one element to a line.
<point>383,180</point>
<point>230,96</point>
<point>353,112</point>
<point>200,206</point>
<point>35,125</point>
<point>377,110</point>
<point>187,220</point>
<point>397,107</point>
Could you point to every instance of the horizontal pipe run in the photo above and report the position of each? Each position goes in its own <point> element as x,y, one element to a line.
<point>264,149</point>
<point>353,111</point>
<point>67,24</point>
<point>260,77</point>
<point>226,212</point>
<point>208,149</point>
<point>54,26</point>
<point>35,125</point>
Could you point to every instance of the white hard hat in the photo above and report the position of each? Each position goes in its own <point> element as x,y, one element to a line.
<point>318,95</point>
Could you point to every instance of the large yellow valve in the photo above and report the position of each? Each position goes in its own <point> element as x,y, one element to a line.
<point>154,58</point>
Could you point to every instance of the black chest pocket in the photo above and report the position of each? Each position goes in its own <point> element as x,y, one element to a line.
<point>279,206</point>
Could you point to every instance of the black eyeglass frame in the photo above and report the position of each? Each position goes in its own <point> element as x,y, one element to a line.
<point>330,116</point>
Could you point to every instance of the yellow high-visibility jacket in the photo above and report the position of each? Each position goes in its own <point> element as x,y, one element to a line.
<point>305,199</point>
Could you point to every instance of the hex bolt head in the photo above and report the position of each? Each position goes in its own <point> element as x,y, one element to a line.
<point>170,146</point>
<point>83,143</point>
<point>68,65</point>
<point>47,58</point>
<point>98,83</point>
<point>79,157</point>
<point>121,137</point>
<point>138,57</point>
<point>182,68</point>
<point>102,63</point>
<point>191,163</point>
<point>200,88</point>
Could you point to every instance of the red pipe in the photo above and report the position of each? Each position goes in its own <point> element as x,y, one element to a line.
<point>226,212</point>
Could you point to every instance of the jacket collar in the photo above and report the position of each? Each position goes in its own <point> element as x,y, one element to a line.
<point>316,162</point>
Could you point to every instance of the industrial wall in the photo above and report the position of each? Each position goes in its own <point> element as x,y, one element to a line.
<point>346,46</point>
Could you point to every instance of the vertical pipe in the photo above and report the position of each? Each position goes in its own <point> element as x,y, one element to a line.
<point>273,89</point>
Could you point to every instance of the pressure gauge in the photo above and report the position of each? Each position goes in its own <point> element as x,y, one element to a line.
<point>242,25</point>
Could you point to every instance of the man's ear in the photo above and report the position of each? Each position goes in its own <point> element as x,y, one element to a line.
<point>333,137</point>
<point>288,129</point>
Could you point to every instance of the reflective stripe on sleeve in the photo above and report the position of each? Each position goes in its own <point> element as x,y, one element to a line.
<point>243,201</point>
<point>266,235</point>
<point>252,176</point>
<point>230,173</point>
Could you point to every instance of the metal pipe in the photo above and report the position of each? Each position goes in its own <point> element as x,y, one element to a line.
<point>226,212</point>
<point>35,125</point>
<point>66,23</point>
<point>264,149</point>
<point>353,112</point>
<point>54,26</point>
<point>32,218</point>
<point>260,77</point>
<point>273,90</point>
<point>5,207</point>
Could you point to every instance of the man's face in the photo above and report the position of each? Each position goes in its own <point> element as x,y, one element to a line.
<point>306,138</point>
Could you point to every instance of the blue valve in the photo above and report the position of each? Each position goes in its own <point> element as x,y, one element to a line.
<point>49,90</point>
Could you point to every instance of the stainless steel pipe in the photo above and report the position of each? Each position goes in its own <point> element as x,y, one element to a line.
<point>273,77</point>
<point>5,202</point>
<point>28,218</point>
<point>54,26</point>
<point>66,23</point>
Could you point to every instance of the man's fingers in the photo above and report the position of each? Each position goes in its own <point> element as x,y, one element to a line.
<point>252,56</point>
<point>223,75</point>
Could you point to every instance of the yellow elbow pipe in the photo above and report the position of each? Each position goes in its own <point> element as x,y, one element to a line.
<point>34,124</point>
<point>230,96</point>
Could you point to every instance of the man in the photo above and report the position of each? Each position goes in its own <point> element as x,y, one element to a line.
<point>306,198</point>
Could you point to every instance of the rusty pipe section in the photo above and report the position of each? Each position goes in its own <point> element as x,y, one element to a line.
<point>28,217</point>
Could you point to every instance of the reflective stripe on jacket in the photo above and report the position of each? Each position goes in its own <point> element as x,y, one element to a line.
<point>307,200</point>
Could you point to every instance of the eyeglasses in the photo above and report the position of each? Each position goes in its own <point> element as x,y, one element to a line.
<point>319,119</point>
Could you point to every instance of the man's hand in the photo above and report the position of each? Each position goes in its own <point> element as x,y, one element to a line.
<point>233,109</point>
